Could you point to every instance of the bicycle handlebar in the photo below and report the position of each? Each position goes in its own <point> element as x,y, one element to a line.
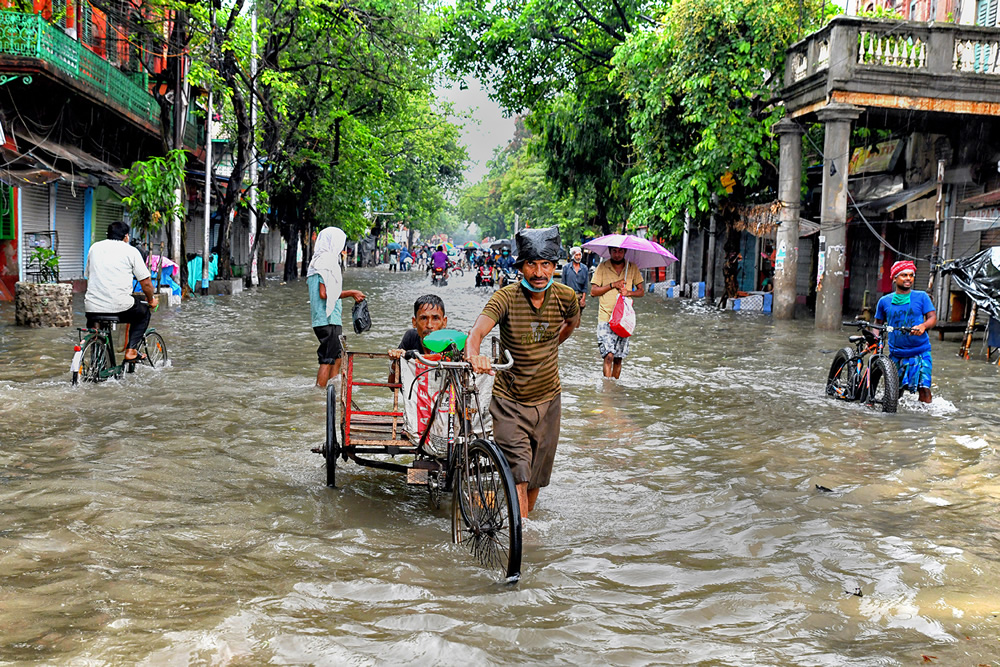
<point>413,354</point>
<point>861,324</point>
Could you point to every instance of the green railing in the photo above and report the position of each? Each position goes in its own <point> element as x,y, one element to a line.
<point>30,36</point>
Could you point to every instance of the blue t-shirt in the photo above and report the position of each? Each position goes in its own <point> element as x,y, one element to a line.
<point>318,306</point>
<point>902,344</point>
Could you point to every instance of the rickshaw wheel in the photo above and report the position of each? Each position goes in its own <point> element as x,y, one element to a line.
<point>486,517</point>
<point>331,449</point>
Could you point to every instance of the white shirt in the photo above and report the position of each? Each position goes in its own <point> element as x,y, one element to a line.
<point>111,265</point>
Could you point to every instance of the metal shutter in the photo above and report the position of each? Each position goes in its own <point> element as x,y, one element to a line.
<point>925,244</point>
<point>107,212</point>
<point>69,225</point>
<point>34,214</point>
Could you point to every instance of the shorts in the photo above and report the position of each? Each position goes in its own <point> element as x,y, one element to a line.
<point>329,349</point>
<point>608,342</point>
<point>527,436</point>
<point>915,371</point>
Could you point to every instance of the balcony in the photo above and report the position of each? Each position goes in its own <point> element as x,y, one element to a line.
<point>903,65</point>
<point>26,39</point>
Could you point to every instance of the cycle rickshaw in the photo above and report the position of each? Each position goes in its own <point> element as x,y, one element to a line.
<point>436,432</point>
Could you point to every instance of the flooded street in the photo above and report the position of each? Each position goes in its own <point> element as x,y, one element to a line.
<point>178,516</point>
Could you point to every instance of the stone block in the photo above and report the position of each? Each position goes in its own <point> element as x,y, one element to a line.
<point>43,304</point>
<point>234,286</point>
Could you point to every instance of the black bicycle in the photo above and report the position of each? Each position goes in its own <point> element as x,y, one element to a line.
<point>94,354</point>
<point>865,373</point>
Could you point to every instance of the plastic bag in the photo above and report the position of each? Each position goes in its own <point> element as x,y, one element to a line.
<point>420,391</point>
<point>535,244</point>
<point>623,317</point>
<point>362,320</point>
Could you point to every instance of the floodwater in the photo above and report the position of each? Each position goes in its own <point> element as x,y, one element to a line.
<point>178,516</point>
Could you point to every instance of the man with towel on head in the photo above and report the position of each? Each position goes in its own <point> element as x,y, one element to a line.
<point>909,350</point>
<point>324,278</point>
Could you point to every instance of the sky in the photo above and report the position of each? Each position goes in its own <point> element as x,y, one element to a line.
<point>487,130</point>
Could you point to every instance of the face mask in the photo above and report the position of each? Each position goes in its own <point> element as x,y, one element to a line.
<point>525,284</point>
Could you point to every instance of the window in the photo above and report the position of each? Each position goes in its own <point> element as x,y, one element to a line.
<point>6,212</point>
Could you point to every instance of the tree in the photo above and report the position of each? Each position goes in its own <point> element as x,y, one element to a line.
<point>517,184</point>
<point>153,183</point>
<point>553,58</point>
<point>702,87</point>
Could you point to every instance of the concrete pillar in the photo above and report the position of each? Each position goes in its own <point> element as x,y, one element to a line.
<point>786,260</point>
<point>836,119</point>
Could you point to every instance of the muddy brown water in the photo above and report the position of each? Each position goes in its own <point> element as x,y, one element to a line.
<point>178,516</point>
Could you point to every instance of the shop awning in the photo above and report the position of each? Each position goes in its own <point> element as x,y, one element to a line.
<point>890,203</point>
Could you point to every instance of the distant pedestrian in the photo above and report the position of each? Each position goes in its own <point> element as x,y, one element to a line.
<point>324,279</point>
<point>907,308</point>
<point>612,277</point>
<point>393,259</point>
<point>577,276</point>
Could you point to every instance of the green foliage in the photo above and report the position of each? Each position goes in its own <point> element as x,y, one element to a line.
<point>47,262</point>
<point>153,183</point>
<point>517,185</point>
<point>553,57</point>
<point>702,90</point>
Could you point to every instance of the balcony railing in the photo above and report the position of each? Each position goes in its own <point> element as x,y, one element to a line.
<point>942,60</point>
<point>30,36</point>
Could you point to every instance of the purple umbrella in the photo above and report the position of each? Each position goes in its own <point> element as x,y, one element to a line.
<point>644,253</point>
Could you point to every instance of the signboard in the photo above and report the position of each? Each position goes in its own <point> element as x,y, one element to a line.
<point>982,219</point>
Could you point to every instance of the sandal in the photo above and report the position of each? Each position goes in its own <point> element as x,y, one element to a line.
<point>138,358</point>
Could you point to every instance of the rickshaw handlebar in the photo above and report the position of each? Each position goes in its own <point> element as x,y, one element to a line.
<point>411,354</point>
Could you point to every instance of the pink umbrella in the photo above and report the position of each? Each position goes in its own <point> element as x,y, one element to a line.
<point>644,253</point>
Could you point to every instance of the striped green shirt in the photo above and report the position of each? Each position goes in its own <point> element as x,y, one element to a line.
<point>532,337</point>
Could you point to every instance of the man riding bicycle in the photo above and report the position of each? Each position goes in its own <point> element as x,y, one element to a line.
<point>111,266</point>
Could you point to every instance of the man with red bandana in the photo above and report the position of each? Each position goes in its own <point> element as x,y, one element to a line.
<point>912,309</point>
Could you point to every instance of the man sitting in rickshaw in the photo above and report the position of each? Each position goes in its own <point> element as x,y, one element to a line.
<point>428,316</point>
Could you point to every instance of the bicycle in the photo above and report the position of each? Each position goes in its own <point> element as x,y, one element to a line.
<point>865,373</point>
<point>485,513</point>
<point>94,353</point>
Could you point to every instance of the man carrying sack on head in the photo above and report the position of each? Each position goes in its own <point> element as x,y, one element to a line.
<point>912,311</point>
<point>535,316</point>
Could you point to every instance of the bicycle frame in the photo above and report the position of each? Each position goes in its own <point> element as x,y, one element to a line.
<point>867,348</point>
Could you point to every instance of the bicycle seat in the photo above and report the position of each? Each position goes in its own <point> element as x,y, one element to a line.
<point>103,318</point>
<point>439,341</point>
<point>855,339</point>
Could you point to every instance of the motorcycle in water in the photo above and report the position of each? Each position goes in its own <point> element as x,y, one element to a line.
<point>439,277</point>
<point>484,277</point>
<point>507,276</point>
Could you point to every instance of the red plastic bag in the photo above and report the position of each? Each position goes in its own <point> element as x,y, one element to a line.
<point>623,317</point>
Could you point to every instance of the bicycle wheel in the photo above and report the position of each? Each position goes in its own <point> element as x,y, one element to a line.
<point>331,450</point>
<point>155,350</point>
<point>486,517</point>
<point>841,381</point>
<point>884,389</point>
<point>95,361</point>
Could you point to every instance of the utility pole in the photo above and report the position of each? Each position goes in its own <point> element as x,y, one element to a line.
<point>254,278</point>
<point>684,248</point>
<point>180,116</point>
<point>937,227</point>
<point>207,238</point>
<point>710,269</point>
